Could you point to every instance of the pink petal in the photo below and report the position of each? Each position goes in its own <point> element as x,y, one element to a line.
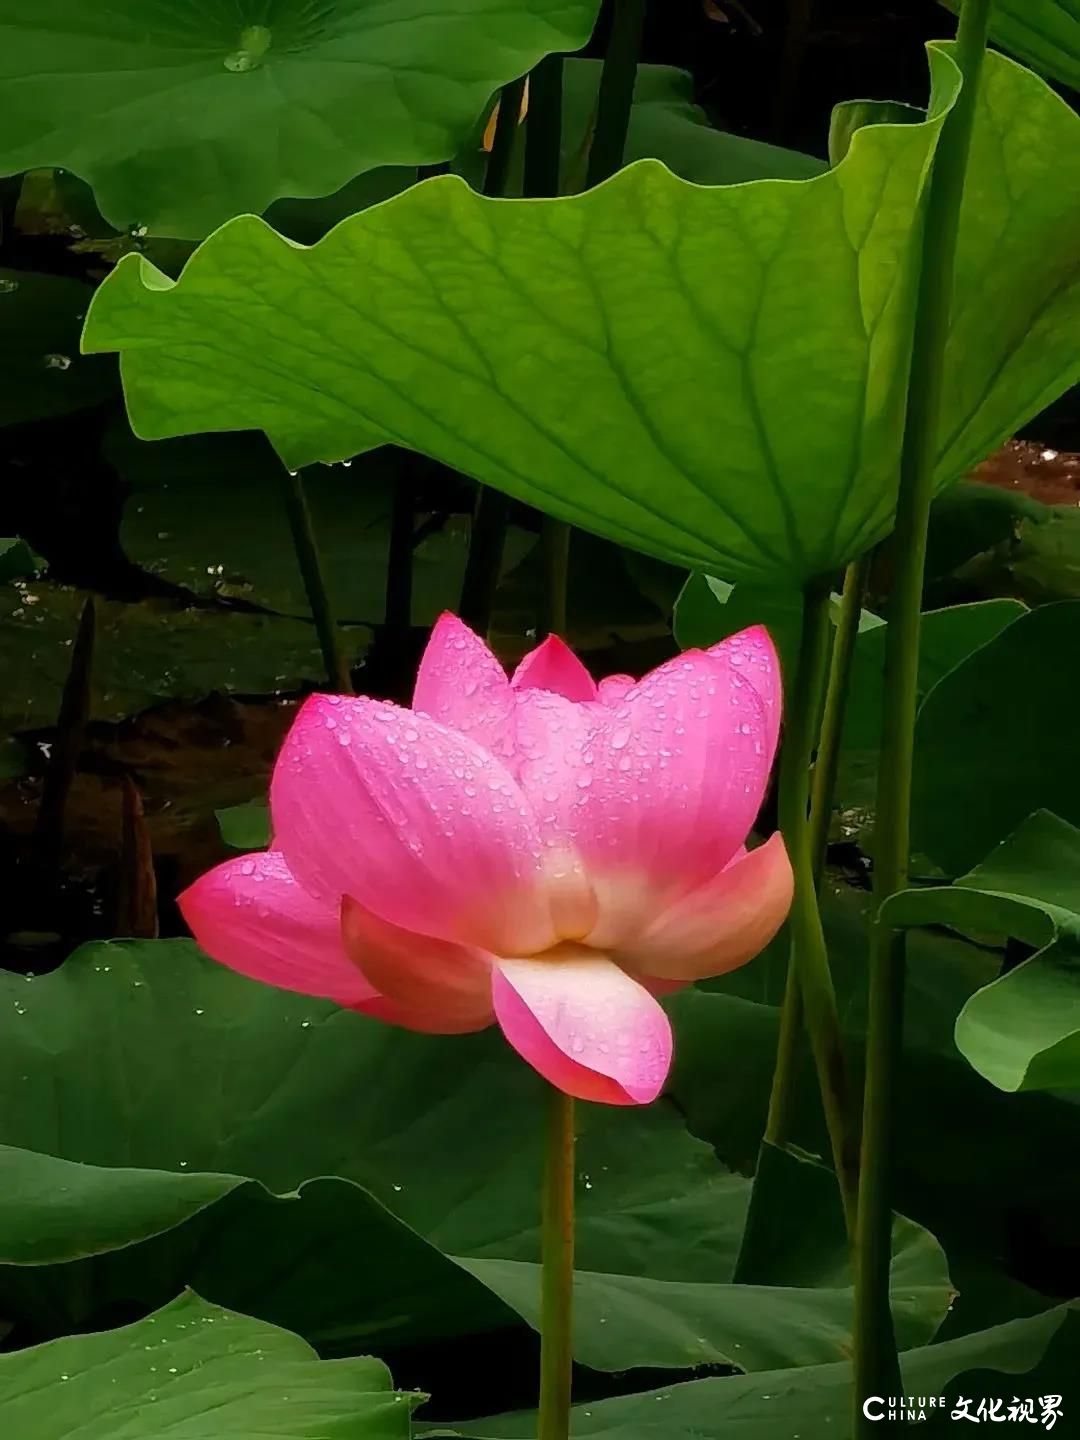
<point>753,650</point>
<point>418,823</point>
<point>656,793</point>
<point>252,915</point>
<point>585,1025</point>
<point>461,684</point>
<point>721,924</point>
<point>554,666</point>
<point>614,688</point>
<point>425,984</point>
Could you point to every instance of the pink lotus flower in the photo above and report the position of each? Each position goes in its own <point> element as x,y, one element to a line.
<point>542,852</point>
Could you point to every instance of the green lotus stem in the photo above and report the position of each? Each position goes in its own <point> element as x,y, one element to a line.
<point>557,1280</point>
<point>492,514</point>
<point>67,744</point>
<point>809,977</point>
<point>543,161</point>
<point>876,1365</point>
<point>796,30</point>
<point>307,557</point>
<point>399,561</point>
<point>827,763</point>
<point>616,95</point>
<point>555,543</point>
<point>543,128</point>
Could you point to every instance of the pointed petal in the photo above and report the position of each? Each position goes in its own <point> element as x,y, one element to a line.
<point>655,794</point>
<point>554,666</point>
<point>462,685</point>
<point>585,1025</point>
<point>721,924</point>
<point>614,688</point>
<point>252,915</point>
<point>753,652</point>
<point>426,984</point>
<point>418,823</point>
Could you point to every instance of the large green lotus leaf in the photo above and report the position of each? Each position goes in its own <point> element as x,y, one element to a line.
<point>249,553</point>
<point>1023,1030</point>
<point>996,740</point>
<point>1045,33</point>
<point>208,108</point>
<point>118,1185</point>
<point>646,360</point>
<point>812,1403</point>
<point>145,653</point>
<point>42,373</point>
<point>191,1371</point>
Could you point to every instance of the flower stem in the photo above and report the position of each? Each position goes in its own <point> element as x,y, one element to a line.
<point>832,720</point>
<point>543,163</point>
<point>809,977</point>
<point>491,516</point>
<point>557,1282</point>
<point>616,96</point>
<point>876,1365</point>
<point>307,556</point>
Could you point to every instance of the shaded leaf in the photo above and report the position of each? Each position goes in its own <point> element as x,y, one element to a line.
<point>397,1243</point>
<point>42,373</point>
<point>816,1399</point>
<point>1044,33</point>
<point>208,1371</point>
<point>145,652</point>
<point>217,112</point>
<point>1022,1031</point>
<point>996,739</point>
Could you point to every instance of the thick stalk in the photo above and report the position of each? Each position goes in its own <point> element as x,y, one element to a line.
<point>399,562</point>
<point>809,959</point>
<point>789,71</point>
<point>616,94</point>
<point>832,719</point>
<point>67,745</point>
<point>492,513</point>
<point>557,1280</point>
<point>543,159</point>
<point>876,1365</point>
<point>307,557</point>
<point>555,541</point>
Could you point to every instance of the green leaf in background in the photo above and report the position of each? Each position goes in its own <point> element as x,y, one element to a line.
<point>665,125</point>
<point>145,653</point>
<point>225,107</point>
<point>396,1243</point>
<point>193,1370</point>
<point>17,560</point>
<point>42,373</point>
<point>245,827</point>
<point>1044,33</point>
<point>813,1403</point>
<point>1024,1222</point>
<point>972,518</point>
<point>996,739</point>
<point>709,610</point>
<point>249,552</point>
<point>1022,1031</point>
<point>765,410</point>
<point>947,637</point>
